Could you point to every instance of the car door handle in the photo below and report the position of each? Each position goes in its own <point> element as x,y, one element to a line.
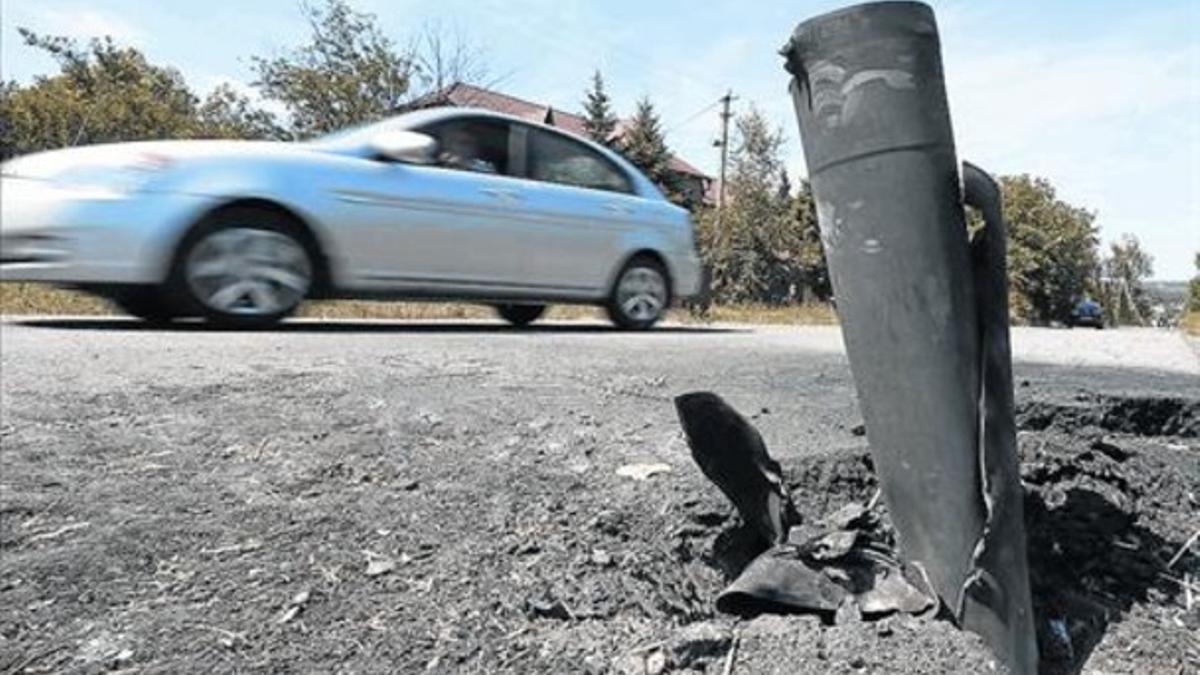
<point>618,208</point>
<point>501,193</point>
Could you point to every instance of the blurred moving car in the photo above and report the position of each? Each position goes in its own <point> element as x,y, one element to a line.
<point>447,203</point>
<point>1087,312</point>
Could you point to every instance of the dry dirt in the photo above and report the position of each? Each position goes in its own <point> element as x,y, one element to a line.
<point>381,497</point>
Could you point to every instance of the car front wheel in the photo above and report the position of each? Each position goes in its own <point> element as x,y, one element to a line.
<point>243,268</point>
<point>641,295</point>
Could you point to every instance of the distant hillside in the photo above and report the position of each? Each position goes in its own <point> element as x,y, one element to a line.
<point>1168,292</point>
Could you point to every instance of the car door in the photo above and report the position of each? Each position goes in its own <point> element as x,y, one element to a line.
<point>453,226</point>
<point>584,204</point>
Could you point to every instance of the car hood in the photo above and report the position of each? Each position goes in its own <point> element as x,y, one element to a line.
<point>60,164</point>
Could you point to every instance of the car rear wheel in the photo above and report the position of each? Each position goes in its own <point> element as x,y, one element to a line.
<point>520,315</point>
<point>641,294</point>
<point>244,268</point>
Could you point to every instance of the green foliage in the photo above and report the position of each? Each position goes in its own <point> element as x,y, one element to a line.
<point>1128,262</point>
<point>1121,287</point>
<point>104,93</point>
<point>227,114</point>
<point>644,144</point>
<point>1194,288</point>
<point>1052,249</point>
<point>348,73</point>
<point>812,271</point>
<point>763,246</point>
<point>600,121</point>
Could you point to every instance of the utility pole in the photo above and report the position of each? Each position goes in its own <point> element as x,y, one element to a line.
<point>726,100</point>
<point>706,292</point>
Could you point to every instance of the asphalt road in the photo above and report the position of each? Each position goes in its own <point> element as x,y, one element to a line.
<point>193,501</point>
<point>478,371</point>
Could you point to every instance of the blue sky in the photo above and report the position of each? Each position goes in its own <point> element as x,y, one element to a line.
<point>1101,97</point>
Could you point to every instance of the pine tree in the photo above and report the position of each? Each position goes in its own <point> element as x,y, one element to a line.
<point>643,144</point>
<point>600,121</point>
<point>785,186</point>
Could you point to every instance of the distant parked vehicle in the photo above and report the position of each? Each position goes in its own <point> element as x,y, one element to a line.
<point>1087,312</point>
<point>448,203</point>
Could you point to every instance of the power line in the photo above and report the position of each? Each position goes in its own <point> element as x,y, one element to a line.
<point>580,54</point>
<point>694,117</point>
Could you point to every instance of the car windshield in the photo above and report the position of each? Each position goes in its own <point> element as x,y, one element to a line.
<point>360,134</point>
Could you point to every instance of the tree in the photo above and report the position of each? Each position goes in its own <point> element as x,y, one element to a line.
<point>1128,262</point>
<point>1125,268</point>
<point>227,114</point>
<point>785,185</point>
<point>103,93</point>
<point>442,56</point>
<point>600,121</point>
<point>1052,251</point>
<point>644,144</point>
<point>348,73</point>
<point>764,245</point>
<point>108,93</point>
<point>815,283</point>
<point>1194,288</point>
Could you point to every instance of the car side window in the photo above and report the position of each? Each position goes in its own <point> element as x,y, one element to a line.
<point>479,145</point>
<point>556,159</point>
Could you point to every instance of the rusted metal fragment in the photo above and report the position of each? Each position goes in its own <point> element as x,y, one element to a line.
<point>846,568</point>
<point>852,515</point>
<point>831,546</point>
<point>780,581</point>
<point>731,453</point>
<point>892,591</point>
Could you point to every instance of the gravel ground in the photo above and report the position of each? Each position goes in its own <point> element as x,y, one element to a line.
<point>400,497</point>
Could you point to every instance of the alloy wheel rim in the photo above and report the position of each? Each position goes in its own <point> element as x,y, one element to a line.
<point>642,294</point>
<point>248,271</point>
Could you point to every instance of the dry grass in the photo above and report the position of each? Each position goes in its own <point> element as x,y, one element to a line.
<point>1190,323</point>
<point>42,299</point>
<point>810,314</point>
<point>28,298</point>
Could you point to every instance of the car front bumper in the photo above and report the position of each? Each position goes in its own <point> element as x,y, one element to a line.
<point>50,233</point>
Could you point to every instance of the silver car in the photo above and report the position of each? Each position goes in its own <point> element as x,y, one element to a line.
<point>448,203</point>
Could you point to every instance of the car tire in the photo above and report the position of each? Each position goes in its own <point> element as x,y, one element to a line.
<point>243,267</point>
<point>147,303</point>
<point>520,315</point>
<point>641,294</point>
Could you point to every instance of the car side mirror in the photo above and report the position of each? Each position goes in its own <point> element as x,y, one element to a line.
<point>410,147</point>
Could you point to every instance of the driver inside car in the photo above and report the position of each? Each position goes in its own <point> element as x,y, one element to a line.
<point>460,150</point>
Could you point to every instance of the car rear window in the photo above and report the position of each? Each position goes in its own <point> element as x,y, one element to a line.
<point>557,159</point>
